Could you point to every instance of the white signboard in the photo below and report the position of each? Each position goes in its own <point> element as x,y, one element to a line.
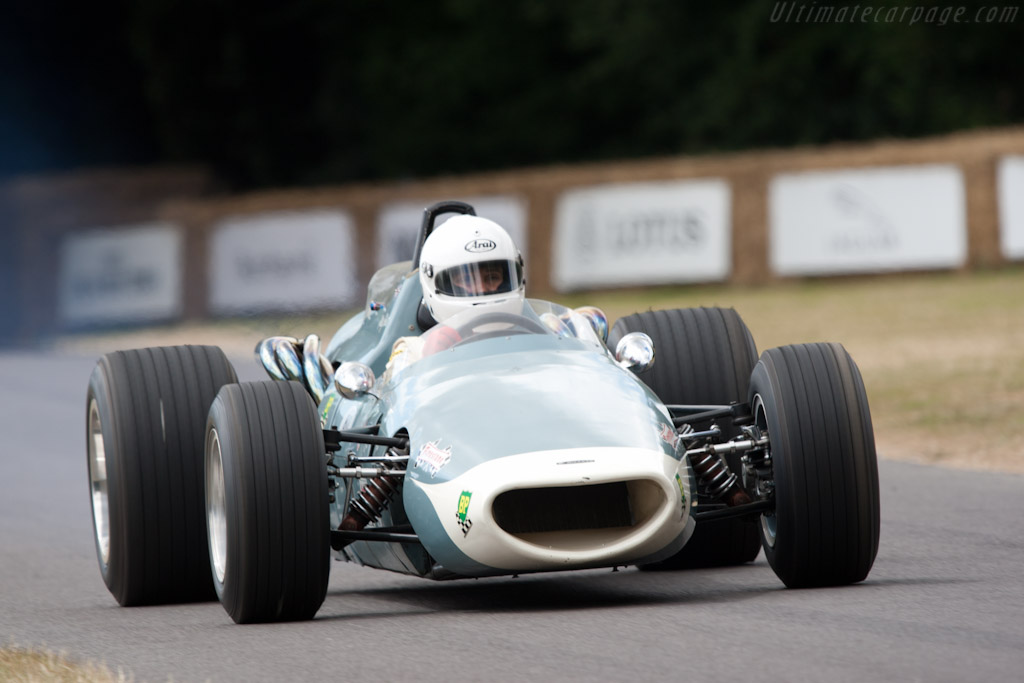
<point>1011,206</point>
<point>130,274</point>
<point>283,261</point>
<point>878,219</point>
<point>398,225</point>
<point>642,233</point>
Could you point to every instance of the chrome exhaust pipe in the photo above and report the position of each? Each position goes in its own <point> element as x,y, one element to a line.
<point>286,358</point>
<point>311,367</point>
<point>279,357</point>
<point>326,370</point>
<point>597,319</point>
<point>265,356</point>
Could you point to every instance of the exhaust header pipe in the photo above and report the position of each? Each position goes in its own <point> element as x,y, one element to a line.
<point>287,358</point>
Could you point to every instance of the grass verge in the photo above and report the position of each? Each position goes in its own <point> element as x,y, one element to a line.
<point>19,665</point>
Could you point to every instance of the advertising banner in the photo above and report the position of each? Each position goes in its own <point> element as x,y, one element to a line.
<point>867,220</point>
<point>1011,206</point>
<point>642,233</point>
<point>284,261</point>
<point>398,224</point>
<point>124,275</point>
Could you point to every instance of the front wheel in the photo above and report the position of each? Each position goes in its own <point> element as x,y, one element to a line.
<point>810,400</point>
<point>267,502</point>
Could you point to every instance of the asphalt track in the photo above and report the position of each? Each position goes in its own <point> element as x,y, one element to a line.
<point>944,602</point>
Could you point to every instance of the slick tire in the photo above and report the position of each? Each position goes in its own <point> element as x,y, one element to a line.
<point>145,419</point>
<point>810,400</point>
<point>267,502</point>
<point>702,356</point>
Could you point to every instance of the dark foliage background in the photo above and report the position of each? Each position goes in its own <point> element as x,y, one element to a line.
<point>317,91</point>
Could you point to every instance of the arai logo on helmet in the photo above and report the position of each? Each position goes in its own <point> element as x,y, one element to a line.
<point>480,245</point>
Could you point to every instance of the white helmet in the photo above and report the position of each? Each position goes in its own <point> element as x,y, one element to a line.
<point>470,262</point>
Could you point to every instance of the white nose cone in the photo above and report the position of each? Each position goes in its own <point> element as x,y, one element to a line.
<point>565,509</point>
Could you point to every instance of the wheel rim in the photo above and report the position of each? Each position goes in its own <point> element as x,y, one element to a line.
<point>769,523</point>
<point>216,506</point>
<point>98,483</point>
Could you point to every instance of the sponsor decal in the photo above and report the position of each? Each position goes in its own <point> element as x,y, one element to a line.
<point>573,462</point>
<point>116,275</point>
<point>637,233</point>
<point>327,409</point>
<point>682,490</point>
<point>432,459</point>
<point>864,227</point>
<point>462,515</point>
<point>428,269</point>
<point>283,260</point>
<point>124,274</point>
<point>478,246</point>
<point>643,231</point>
<point>667,434</point>
<point>867,220</point>
<point>256,266</point>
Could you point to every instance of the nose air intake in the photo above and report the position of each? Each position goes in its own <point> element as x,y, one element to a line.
<point>564,508</point>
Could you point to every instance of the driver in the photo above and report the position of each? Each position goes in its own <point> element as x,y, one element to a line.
<point>467,263</point>
<point>479,279</point>
<point>470,262</point>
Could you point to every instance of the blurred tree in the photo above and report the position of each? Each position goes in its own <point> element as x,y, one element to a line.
<point>317,91</point>
<point>70,93</point>
<point>232,83</point>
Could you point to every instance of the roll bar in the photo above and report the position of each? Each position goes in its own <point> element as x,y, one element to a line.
<point>430,215</point>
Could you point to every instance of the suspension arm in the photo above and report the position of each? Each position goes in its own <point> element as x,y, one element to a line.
<point>333,439</point>
<point>756,508</point>
<point>340,538</point>
<point>738,446</point>
<point>363,472</point>
<point>685,414</point>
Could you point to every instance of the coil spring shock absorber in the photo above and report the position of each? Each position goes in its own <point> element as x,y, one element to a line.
<point>719,481</point>
<point>373,498</point>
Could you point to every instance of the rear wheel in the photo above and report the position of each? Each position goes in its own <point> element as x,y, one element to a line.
<point>810,400</point>
<point>145,415</point>
<point>703,356</point>
<point>267,502</point>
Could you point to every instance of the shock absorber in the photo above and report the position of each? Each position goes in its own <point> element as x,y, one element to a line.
<point>713,472</point>
<point>373,498</point>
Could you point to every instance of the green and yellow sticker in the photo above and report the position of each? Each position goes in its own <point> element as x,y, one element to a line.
<point>327,409</point>
<point>462,514</point>
<point>463,505</point>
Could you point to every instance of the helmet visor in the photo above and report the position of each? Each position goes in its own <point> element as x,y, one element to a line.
<point>480,279</point>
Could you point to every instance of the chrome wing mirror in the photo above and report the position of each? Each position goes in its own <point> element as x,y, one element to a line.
<point>635,351</point>
<point>353,380</point>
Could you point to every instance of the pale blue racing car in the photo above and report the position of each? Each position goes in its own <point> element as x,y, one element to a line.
<point>527,441</point>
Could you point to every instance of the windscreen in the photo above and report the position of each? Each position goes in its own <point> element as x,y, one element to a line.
<point>538,317</point>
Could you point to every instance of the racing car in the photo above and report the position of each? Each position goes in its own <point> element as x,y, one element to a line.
<point>540,440</point>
